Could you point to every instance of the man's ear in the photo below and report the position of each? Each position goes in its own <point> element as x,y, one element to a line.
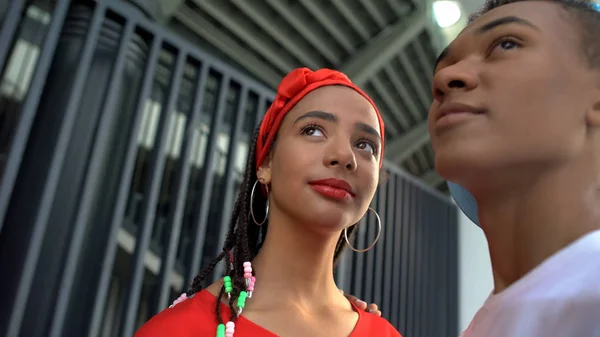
<point>593,116</point>
<point>264,171</point>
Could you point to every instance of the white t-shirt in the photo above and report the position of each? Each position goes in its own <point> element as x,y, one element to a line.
<point>559,298</point>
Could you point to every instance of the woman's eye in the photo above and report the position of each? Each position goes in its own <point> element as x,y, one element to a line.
<point>366,146</point>
<point>312,130</point>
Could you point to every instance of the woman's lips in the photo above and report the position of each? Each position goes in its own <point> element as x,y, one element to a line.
<point>331,192</point>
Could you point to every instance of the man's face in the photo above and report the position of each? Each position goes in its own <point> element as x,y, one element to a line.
<point>512,91</point>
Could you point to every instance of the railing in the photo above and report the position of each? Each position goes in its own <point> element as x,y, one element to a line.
<point>121,147</point>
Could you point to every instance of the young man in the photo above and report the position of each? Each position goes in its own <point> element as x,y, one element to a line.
<point>516,122</point>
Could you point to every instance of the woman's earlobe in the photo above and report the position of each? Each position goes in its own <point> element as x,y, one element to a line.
<point>263,175</point>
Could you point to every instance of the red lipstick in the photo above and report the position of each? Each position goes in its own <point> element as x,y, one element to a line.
<point>332,188</point>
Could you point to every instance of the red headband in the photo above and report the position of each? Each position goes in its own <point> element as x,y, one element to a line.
<point>291,90</point>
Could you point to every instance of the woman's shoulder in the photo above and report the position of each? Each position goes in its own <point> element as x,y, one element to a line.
<point>192,317</point>
<point>375,325</point>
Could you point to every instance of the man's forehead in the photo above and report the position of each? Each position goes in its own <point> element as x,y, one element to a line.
<point>525,13</point>
<point>533,11</point>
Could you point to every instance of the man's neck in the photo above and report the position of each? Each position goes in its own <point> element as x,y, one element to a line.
<point>526,223</point>
<point>295,266</point>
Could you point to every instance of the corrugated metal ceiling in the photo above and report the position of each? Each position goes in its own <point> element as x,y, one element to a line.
<point>388,47</point>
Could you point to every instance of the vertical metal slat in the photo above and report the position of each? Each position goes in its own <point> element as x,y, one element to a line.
<point>411,272</point>
<point>379,248</point>
<point>420,247</point>
<point>388,256</point>
<point>208,179</point>
<point>17,148</point>
<point>369,256</point>
<point>424,284</point>
<point>420,265</point>
<point>431,264</point>
<point>152,189</point>
<point>453,272</point>
<point>406,256</point>
<point>397,297</point>
<point>262,109</point>
<point>63,298</point>
<point>8,29</point>
<point>435,267</point>
<point>54,172</point>
<point>124,186</point>
<point>234,138</point>
<point>183,176</point>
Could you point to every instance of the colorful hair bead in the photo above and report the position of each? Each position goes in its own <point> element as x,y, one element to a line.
<point>221,330</point>
<point>250,287</point>
<point>241,302</point>
<point>231,266</point>
<point>228,285</point>
<point>247,272</point>
<point>229,329</point>
<point>179,299</point>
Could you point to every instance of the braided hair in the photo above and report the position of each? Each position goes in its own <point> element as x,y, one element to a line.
<point>244,237</point>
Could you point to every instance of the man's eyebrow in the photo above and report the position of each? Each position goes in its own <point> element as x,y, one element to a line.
<point>490,26</point>
<point>505,21</point>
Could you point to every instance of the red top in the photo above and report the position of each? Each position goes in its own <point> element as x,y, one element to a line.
<point>195,317</point>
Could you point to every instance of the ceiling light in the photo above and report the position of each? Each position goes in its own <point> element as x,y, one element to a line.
<point>447,13</point>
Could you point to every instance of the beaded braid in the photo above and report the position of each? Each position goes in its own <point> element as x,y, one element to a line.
<point>242,243</point>
<point>239,218</point>
<point>233,282</point>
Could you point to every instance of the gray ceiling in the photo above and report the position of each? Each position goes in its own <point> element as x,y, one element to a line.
<point>387,47</point>
<point>471,5</point>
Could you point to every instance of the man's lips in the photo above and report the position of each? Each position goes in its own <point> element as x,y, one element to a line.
<point>451,108</point>
<point>453,111</point>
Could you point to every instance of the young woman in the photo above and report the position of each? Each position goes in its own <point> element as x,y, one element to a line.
<point>311,175</point>
<point>516,122</point>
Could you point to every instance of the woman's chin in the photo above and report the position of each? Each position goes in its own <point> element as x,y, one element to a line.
<point>329,223</point>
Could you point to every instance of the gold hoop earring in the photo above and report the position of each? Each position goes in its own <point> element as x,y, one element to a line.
<point>252,205</point>
<point>376,238</point>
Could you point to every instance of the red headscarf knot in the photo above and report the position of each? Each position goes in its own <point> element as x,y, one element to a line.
<point>300,78</point>
<point>294,86</point>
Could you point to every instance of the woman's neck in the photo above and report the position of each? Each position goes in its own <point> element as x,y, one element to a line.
<point>526,223</point>
<point>295,266</point>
